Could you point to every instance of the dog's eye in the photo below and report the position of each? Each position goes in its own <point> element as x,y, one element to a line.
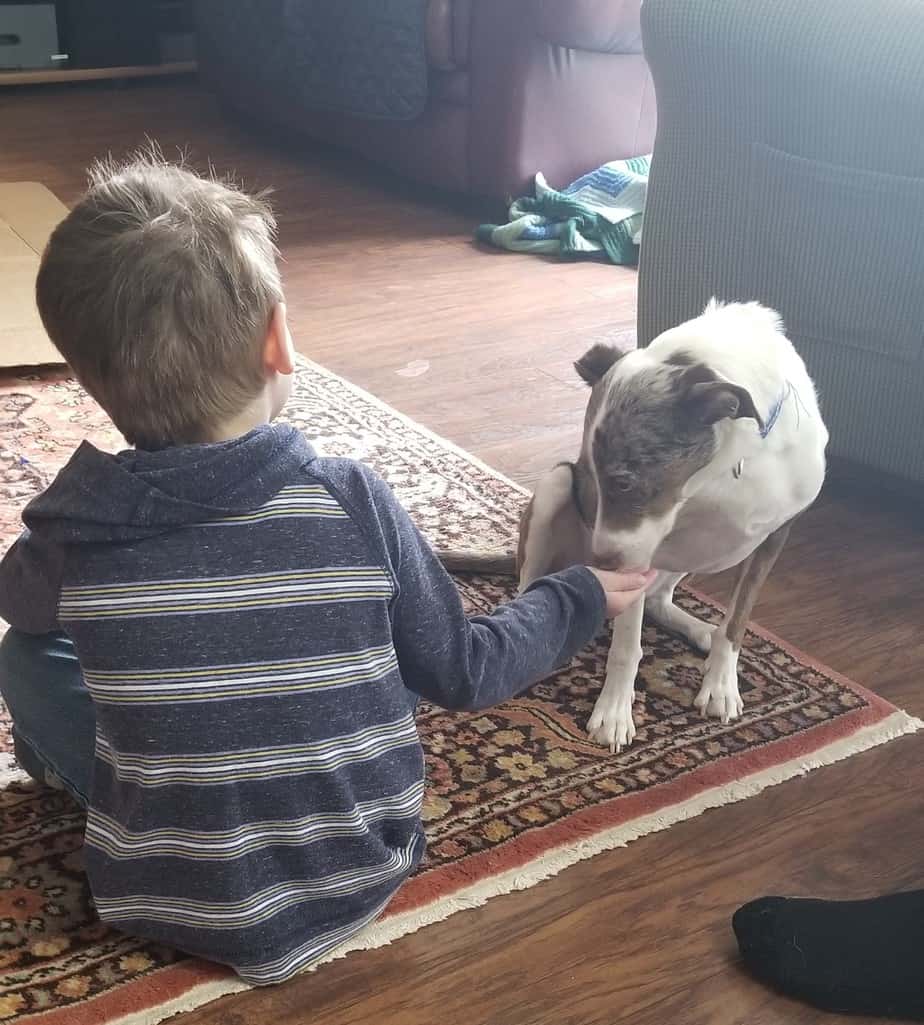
<point>621,482</point>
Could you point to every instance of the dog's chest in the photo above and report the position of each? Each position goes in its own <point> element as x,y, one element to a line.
<point>725,521</point>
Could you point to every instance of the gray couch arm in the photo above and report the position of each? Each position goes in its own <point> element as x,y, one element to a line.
<point>789,168</point>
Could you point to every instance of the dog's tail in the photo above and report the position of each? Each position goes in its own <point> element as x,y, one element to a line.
<point>502,564</point>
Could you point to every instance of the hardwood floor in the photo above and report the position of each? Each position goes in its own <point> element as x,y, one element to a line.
<point>383,283</point>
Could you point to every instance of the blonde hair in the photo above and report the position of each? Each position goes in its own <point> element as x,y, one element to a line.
<point>158,289</point>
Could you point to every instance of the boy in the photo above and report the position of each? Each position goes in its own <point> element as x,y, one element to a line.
<point>253,624</point>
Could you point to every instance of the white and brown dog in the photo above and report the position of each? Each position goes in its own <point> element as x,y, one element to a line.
<point>698,453</point>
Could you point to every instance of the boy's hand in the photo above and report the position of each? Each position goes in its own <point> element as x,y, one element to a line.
<point>622,589</point>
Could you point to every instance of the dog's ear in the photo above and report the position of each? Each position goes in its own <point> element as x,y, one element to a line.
<point>594,364</point>
<point>711,401</point>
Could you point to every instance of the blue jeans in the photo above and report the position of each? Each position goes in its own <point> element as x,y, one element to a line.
<point>54,722</point>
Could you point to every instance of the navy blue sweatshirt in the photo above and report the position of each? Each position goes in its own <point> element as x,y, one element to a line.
<point>254,624</point>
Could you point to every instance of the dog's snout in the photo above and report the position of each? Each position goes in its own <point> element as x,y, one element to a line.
<point>607,558</point>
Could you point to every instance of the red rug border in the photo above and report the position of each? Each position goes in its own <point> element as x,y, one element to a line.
<point>134,997</point>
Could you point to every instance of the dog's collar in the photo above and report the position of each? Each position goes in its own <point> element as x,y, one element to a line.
<point>767,426</point>
<point>775,411</point>
<point>777,408</point>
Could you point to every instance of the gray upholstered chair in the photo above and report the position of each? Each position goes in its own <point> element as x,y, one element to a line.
<point>789,167</point>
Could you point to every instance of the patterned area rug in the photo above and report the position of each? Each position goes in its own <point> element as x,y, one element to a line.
<point>515,794</point>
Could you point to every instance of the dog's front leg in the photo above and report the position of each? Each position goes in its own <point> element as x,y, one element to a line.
<point>719,695</point>
<point>611,723</point>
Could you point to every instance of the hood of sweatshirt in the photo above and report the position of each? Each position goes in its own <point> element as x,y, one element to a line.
<point>99,497</point>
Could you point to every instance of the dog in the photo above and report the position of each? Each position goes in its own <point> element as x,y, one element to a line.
<point>698,453</point>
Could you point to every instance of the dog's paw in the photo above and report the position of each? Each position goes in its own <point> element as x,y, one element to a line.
<point>719,696</point>
<point>612,725</point>
<point>723,704</point>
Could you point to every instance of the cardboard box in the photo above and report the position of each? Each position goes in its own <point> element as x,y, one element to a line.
<point>28,215</point>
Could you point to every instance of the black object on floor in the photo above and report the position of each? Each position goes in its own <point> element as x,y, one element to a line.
<point>855,957</point>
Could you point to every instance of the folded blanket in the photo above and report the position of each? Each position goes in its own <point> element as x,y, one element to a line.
<point>600,212</point>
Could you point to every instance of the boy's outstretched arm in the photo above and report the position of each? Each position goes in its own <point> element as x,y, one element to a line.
<point>30,580</point>
<point>470,663</point>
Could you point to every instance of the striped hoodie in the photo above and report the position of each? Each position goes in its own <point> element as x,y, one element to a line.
<point>255,625</point>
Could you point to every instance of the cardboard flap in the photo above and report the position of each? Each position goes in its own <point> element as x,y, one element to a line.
<point>28,215</point>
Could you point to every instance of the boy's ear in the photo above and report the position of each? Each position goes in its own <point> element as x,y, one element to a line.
<point>278,350</point>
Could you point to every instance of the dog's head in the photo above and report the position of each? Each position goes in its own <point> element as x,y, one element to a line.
<point>650,427</point>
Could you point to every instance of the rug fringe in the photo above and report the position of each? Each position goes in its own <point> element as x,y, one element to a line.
<point>193,998</point>
<point>388,930</point>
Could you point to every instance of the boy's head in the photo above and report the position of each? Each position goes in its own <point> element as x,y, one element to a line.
<point>161,290</point>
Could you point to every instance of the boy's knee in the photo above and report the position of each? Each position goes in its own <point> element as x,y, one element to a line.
<point>52,712</point>
<point>17,650</point>
<point>25,661</point>
<point>40,679</point>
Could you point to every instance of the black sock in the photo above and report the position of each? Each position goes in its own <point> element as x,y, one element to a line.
<point>863,957</point>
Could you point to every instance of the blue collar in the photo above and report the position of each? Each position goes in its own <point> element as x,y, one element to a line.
<point>775,411</point>
<point>771,420</point>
